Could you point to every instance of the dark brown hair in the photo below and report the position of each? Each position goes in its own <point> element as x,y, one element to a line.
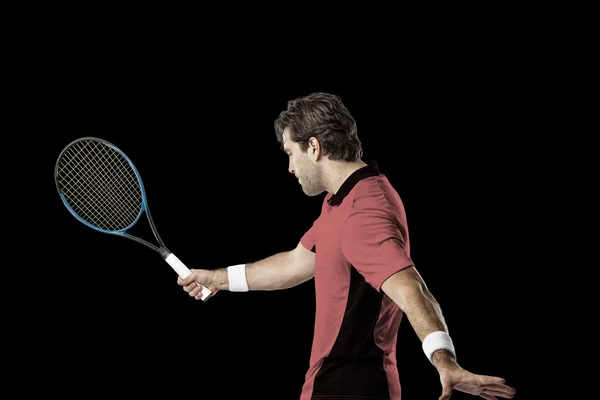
<point>323,116</point>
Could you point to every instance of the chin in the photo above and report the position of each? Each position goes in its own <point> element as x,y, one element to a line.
<point>312,193</point>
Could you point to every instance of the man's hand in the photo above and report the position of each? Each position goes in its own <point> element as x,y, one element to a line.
<point>452,376</point>
<point>198,276</point>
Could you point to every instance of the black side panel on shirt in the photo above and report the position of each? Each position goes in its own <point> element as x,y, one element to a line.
<point>354,366</point>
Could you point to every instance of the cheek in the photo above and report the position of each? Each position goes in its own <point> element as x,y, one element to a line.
<point>297,161</point>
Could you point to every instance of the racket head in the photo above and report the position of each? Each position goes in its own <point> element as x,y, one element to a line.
<point>100,185</point>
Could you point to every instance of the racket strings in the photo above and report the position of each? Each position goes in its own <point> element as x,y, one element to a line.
<point>107,196</point>
<point>84,176</point>
<point>109,193</point>
<point>99,194</point>
<point>100,185</point>
<point>97,174</point>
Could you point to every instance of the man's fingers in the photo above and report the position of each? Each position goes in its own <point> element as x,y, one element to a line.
<point>489,380</point>
<point>213,289</point>
<point>446,392</point>
<point>488,396</point>
<point>194,289</point>
<point>185,282</point>
<point>484,380</point>
<point>500,390</point>
<point>497,393</point>
<point>495,386</point>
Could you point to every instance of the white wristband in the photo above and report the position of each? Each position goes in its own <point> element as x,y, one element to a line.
<point>436,341</point>
<point>237,278</point>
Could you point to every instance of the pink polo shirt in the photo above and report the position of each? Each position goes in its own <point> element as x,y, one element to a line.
<point>360,239</point>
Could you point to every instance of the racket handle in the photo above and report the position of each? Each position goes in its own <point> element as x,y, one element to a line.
<point>183,272</point>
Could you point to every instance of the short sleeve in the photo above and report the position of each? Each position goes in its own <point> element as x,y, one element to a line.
<point>308,239</point>
<point>372,241</point>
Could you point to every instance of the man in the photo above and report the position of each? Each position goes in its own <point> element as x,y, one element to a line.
<point>358,251</point>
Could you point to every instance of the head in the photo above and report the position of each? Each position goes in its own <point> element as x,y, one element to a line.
<point>313,130</point>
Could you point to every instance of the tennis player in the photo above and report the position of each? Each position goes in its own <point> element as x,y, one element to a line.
<point>358,251</point>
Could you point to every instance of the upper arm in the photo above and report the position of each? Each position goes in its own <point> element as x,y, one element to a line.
<point>402,282</point>
<point>372,241</point>
<point>303,262</point>
<point>408,277</point>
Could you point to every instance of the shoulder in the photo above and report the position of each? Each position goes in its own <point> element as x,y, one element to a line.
<point>373,191</point>
<point>375,197</point>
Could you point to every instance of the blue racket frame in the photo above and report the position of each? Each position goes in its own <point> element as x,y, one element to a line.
<point>144,208</point>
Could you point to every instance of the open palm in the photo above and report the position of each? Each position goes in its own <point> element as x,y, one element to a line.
<point>487,387</point>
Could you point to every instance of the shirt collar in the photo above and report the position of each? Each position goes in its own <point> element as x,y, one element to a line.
<point>371,169</point>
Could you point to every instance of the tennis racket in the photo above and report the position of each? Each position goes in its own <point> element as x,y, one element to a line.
<point>101,187</point>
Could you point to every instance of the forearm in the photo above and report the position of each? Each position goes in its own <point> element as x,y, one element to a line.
<point>272,273</point>
<point>422,310</point>
<point>425,316</point>
<point>424,313</point>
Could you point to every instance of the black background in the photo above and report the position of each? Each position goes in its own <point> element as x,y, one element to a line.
<point>447,132</point>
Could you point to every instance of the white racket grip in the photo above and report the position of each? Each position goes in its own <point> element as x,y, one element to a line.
<point>183,272</point>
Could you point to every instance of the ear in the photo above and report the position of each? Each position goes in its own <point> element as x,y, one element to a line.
<point>314,149</point>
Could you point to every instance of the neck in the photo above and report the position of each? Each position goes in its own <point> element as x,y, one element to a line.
<point>336,173</point>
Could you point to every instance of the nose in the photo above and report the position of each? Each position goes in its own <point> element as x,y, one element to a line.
<point>291,168</point>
